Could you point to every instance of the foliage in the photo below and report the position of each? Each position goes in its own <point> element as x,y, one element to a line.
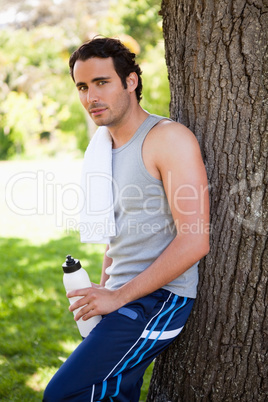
<point>139,19</point>
<point>36,89</point>
<point>37,331</point>
<point>20,120</point>
<point>156,95</point>
<point>142,21</point>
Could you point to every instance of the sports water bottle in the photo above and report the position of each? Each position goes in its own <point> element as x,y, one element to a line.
<point>75,277</point>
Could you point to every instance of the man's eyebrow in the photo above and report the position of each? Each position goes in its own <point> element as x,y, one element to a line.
<point>100,79</point>
<point>79,84</point>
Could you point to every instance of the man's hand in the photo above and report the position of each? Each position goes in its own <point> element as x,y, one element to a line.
<point>96,300</point>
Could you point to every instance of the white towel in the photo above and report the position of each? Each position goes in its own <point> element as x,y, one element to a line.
<point>97,223</point>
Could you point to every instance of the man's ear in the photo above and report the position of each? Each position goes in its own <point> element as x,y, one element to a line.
<point>132,82</point>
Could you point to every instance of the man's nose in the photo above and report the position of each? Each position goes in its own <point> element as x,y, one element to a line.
<point>92,96</point>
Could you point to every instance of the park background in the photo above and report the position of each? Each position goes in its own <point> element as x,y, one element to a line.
<point>43,135</point>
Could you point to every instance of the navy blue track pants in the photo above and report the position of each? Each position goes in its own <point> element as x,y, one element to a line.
<point>110,363</point>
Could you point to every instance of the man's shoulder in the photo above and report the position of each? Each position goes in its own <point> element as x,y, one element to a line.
<point>170,146</point>
<point>169,134</point>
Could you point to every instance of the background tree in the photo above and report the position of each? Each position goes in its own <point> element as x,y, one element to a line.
<point>216,53</point>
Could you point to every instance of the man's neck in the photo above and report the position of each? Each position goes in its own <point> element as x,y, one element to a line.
<point>132,121</point>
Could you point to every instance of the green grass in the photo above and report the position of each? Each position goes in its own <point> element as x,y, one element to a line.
<point>37,332</point>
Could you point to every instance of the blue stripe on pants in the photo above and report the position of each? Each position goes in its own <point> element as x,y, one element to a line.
<point>145,341</point>
<point>163,329</point>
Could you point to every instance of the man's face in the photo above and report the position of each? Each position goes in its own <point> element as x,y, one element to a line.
<point>101,91</point>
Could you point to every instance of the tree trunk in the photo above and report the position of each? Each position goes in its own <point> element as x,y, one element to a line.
<point>216,53</point>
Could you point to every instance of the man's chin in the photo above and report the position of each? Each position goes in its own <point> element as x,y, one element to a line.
<point>100,122</point>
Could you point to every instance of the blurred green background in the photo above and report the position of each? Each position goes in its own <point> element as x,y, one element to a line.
<point>43,135</point>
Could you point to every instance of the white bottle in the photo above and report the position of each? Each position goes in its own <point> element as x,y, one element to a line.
<point>75,277</point>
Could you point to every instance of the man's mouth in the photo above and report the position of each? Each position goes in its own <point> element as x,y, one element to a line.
<point>97,111</point>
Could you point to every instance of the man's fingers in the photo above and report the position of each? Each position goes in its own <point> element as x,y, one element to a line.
<point>78,292</point>
<point>86,313</point>
<point>79,303</point>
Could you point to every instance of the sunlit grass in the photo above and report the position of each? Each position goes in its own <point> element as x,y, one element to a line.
<point>37,331</point>
<point>38,381</point>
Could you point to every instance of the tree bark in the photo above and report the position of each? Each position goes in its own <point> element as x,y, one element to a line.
<point>216,53</point>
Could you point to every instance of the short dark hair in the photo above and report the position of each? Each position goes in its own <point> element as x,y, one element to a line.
<point>123,58</point>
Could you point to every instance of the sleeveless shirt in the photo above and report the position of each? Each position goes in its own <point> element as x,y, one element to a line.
<point>143,220</point>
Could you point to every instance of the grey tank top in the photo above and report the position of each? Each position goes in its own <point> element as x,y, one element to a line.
<point>144,224</point>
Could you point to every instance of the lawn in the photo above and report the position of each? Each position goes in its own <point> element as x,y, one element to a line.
<point>37,332</point>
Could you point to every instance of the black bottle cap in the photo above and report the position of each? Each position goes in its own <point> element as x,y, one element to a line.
<point>71,265</point>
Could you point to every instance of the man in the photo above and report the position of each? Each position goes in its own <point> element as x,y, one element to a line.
<point>149,275</point>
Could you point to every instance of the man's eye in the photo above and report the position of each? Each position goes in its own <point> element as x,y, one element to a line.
<point>102,83</point>
<point>82,88</point>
